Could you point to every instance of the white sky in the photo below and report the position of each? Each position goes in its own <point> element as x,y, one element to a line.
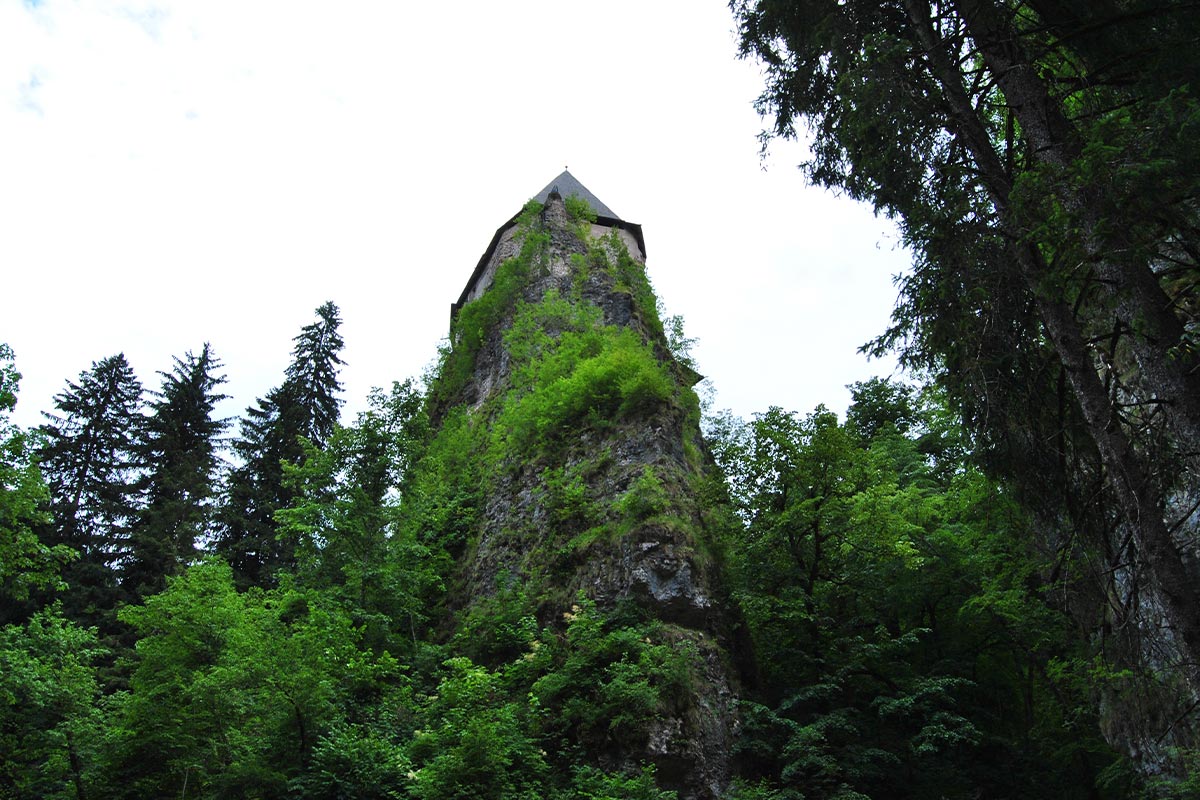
<point>179,172</point>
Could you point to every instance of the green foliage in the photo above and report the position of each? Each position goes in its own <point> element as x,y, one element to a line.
<point>533,725</point>
<point>479,745</point>
<point>179,448</point>
<point>304,406</point>
<point>578,210</point>
<point>599,685</point>
<point>607,682</point>
<point>894,604</point>
<point>354,761</point>
<point>1176,787</point>
<point>566,498</point>
<point>313,375</point>
<point>439,506</point>
<point>536,328</point>
<point>343,521</point>
<point>484,314</point>
<point>678,342</point>
<point>499,628</point>
<point>478,318</point>
<point>281,674</point>
<point>761,790</point>
<point>645,497</point>
<point>578,515</point>
<point>593,784</point>
<point>50,717</point>
<point>878,403</point>
<point>1040,160</point>
<point>232,691</point>
<point>89,457</point>
<point>592,378</point>
<point>26,564</point>
<point>630,276</point>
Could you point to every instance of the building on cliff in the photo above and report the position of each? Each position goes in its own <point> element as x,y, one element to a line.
<point>594,499</point>
<point>502,245</point>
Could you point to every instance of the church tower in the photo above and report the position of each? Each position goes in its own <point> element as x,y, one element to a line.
<point>575,485</point>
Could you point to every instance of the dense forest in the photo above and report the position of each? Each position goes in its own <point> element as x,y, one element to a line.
<point>548,569</point>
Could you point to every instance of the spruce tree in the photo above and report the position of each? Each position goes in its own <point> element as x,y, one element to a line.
<point>313,375</point>
<point>305,405</point>
<point>91,463</point>
<point>180,452</point>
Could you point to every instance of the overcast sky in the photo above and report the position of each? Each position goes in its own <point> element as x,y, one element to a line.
<point>179,172</point>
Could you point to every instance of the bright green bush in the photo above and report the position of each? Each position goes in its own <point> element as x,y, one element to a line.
<point>608,682</point>
<point>537,327</point>
<point>478,744</point>
<point>593,378</point>
<point>578,210</point>
<point>442,501</point>
<point>354,761</point>
<point>644,498</point>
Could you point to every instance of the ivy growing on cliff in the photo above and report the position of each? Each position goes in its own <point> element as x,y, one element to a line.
<point>484,314</point>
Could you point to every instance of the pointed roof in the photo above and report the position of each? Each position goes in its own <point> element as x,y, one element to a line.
<point>568,185</point>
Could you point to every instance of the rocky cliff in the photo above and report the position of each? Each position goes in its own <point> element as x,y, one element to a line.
<point>567,477</point>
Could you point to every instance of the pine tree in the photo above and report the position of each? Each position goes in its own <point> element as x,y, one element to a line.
<point>180,451</point>
<point>305,405</point>
<point>90,461</point>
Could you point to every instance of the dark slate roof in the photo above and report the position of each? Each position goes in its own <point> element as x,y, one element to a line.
<point>568,186</point>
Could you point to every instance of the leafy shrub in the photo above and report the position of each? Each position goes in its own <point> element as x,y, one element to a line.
<point>630,274</point>
<point>578,210</point>
<point>610,682</point>
<point>478,744</point>
<point>354,761</point>
<point>645,497</point>
<point>498,628</point>
<point>565,498</point>
<point>594,784</point>
<point>536,327</point>
<point>443,499</point>
<point>593,378</point>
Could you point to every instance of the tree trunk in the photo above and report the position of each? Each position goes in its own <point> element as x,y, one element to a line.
<point>76,767</point>
<point>1126,474</point>
<point>1167,371</point>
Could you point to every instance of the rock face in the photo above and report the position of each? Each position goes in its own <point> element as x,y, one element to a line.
<point>596,472</point>
<point>1148,713</point>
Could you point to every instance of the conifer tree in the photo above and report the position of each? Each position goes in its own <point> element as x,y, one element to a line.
<point>341,521</point>
<point>1040,159</point>
<point>90,461</point>
<point>313,375</point>
<point>305,405</point>
<point>180,451</point>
